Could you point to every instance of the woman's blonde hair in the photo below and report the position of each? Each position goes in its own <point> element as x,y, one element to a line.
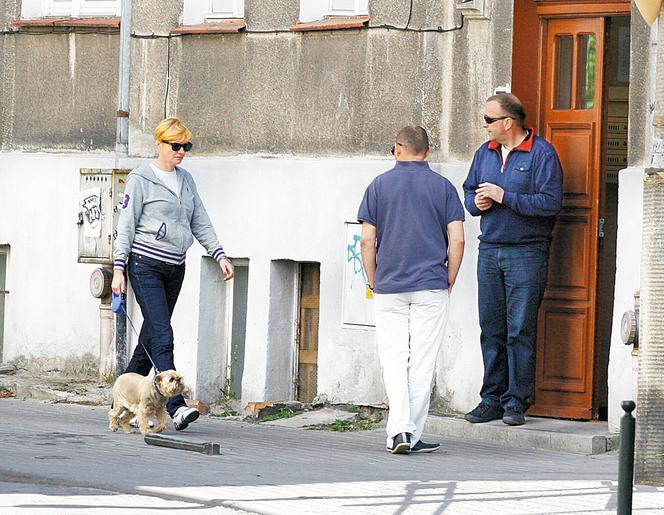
<point>172,130</point>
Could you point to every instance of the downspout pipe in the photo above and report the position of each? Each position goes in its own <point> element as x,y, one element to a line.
<point>124,75</point>
<point>122,152</point>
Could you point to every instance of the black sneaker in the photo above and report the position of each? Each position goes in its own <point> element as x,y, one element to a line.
<point>484,413</point>
<point>514,417</point>
<point>400,444</point>
<point>421,447</point>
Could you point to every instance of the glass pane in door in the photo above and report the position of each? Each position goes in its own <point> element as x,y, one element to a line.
<point>586,67</point>
<point>562,92</point>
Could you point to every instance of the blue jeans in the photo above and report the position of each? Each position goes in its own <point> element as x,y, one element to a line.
<point>156,285</point>
<point>511,282</point>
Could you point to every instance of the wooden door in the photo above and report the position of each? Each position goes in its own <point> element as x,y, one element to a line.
<point>307,352</point>
<point>573,55</point>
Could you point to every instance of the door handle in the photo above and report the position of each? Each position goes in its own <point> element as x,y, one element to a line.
<point>2,292</point>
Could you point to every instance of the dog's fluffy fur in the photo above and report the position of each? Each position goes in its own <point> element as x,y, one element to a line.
<point>136,395</point>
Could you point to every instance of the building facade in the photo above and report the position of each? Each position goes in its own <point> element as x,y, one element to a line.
<point>294,106</point>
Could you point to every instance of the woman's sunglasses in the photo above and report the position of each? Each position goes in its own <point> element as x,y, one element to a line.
<point>177,146</point>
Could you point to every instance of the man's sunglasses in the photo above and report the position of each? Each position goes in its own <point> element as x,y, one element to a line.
<point>177,146</point>
<point>490,120</point>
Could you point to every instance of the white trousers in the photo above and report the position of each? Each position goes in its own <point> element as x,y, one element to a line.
<point>409,331</point>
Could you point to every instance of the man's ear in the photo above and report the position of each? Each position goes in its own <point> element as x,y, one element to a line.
<point>428,153</point>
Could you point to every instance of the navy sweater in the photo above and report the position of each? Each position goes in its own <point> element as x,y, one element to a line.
<point>533,182</point>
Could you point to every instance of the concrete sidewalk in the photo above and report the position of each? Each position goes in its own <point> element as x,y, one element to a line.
<point>268,469</point>
<point>537,433</point>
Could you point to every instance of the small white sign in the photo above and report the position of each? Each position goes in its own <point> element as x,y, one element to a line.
<point>90,202</point>
<point>358,298</point>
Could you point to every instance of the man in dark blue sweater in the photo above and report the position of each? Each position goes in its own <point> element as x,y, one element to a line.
<point>515,184</point>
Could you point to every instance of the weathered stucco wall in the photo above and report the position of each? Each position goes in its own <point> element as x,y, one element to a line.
<point>58,90</point>
<point>332,93</point>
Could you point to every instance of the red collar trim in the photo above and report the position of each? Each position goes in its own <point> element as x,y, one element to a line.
<point>526,145</point>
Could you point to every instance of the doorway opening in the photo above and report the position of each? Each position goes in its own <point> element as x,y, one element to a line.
<point>576,95</point>
<point>221,331</point>
<point>307,340</point>
<point>616,88</point>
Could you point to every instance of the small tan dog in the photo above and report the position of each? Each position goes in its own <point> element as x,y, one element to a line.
<point>134,394</point>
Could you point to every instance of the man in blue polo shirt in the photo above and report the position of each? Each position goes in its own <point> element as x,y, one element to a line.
<point>515,184</point>
<point>408,215</point>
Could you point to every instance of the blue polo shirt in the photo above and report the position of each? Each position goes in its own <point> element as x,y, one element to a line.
<point>410,206</point>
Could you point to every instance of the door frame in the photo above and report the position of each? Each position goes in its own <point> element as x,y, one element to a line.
<point>538,13</point>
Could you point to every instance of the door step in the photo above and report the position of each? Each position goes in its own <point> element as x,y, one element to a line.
<point>536,433</point>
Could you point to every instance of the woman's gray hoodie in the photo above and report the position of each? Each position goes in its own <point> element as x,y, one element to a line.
<point>156,223</point>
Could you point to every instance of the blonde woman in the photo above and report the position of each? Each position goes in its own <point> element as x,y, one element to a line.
<point>161,214</point>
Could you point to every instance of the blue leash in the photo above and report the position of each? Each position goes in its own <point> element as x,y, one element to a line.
<point>118,306</point>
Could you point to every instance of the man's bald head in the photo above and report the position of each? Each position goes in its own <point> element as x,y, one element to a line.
<point>415,138</point>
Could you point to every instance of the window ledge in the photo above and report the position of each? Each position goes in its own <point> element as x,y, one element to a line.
<point>332,23</point>
<point>228,26</point>
<point>104,22</point>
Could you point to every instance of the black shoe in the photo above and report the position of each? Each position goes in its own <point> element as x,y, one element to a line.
<point>421,447</point>
<point>400,444</point>
<point>484,413</point>
<point>514,417</point>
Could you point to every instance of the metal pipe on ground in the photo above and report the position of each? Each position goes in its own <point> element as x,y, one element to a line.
<point>182,444</point>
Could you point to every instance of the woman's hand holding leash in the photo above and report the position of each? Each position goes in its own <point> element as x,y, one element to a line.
<point>118,285</point>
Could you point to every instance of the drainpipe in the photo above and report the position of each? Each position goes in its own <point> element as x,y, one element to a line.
<point>649,463</point>
<point>122,151</point>
<point>124,73</point>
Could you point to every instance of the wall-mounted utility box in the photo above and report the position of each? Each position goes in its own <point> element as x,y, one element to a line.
<point>473,8</point>
<point>100,201</point>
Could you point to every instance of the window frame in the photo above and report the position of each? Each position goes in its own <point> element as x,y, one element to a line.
<point>32,9</point>
<point>81,8</point>
<point>313,10</point>
<point>196,12</point>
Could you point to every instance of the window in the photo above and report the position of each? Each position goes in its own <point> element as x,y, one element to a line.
<point>311,10</point>
<point>73,8</point>
<point>200,11</point>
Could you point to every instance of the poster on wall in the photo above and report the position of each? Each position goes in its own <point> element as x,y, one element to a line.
<point>358,299</point>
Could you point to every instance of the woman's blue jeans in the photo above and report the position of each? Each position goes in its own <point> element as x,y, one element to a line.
<point>511,282</point>
<point>156,285</point>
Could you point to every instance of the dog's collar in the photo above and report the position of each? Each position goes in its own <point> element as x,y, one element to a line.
<point>156,388</point>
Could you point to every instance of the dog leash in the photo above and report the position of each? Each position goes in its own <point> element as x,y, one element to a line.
<point>118,306</point>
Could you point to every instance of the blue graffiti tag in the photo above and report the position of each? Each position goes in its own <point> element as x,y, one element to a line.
<point>356,258</point>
